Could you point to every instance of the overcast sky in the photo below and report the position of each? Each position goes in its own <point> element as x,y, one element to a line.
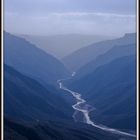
<point>43,17</point>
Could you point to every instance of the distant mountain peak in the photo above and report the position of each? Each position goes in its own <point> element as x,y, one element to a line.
<point>130,35</point>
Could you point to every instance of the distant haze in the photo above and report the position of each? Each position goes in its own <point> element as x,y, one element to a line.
<point>51,17</point>
<point>63,45</point>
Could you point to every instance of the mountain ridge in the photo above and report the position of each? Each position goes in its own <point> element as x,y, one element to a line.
<point>32,61</point>
<point>83,56</point>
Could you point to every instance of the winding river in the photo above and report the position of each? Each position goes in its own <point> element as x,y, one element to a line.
<point>81,106</point>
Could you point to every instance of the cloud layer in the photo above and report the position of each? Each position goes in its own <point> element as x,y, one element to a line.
<point>41,17</point>
<point>72,22</point>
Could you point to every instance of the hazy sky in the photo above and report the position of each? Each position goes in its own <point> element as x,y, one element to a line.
<point>42,17</point>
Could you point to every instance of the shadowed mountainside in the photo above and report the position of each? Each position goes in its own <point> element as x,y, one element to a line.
<point>32,61</point>
<point>87,54</point>
<point>111,89</point>
<point>113,53</point>
<point>27,100</point>
<point>56,131</point>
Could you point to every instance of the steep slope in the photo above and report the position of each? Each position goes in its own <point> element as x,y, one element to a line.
<point>56,131</point>
<point>84,55</point>
<point>111,89</point>
<point>113,53</point>
<point>33,112</point>
<point>63,45</point>
<point>32,61</point>
<point>27,100</point>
